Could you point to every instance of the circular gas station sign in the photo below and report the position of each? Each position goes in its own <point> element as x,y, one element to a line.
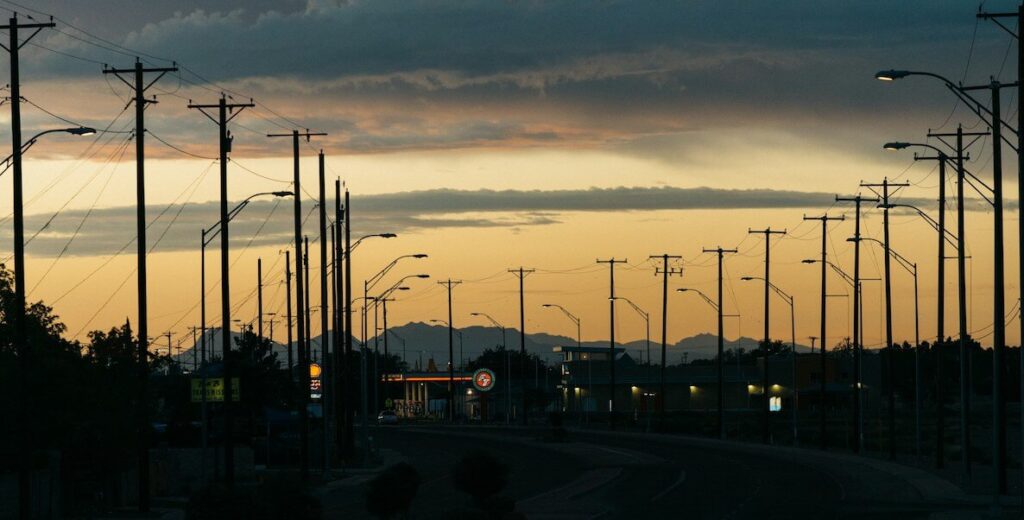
<point>314,370</point>
<point>483,380</point>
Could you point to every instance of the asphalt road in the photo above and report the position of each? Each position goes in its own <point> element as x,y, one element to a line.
<point>635,477</point>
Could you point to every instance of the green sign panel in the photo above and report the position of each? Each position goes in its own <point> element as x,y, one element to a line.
<point>214,390</point>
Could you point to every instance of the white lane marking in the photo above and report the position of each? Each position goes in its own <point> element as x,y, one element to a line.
<point>679,481</point>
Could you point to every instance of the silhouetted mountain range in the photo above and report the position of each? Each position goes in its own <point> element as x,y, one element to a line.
<point>423,340</point>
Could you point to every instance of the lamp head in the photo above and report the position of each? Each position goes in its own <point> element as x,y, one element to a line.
<point>282,194</point>
<point>682,289</point>
<point>747,278</point>
<point>402,288</point>
<point>423,276</point>
<point>893,146</point>
<point>419,255</point>
<point>808,261</point>
<point>891,75</point>
<point>546,305</point>
<point>387,235</point>
<point>82,130</point>
<point>474,314</point>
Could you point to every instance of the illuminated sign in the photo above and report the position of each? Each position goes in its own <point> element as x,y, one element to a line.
<point>315,387</point>
<point>775,404</point>
<point>483,380</point>
<point>214,389</point>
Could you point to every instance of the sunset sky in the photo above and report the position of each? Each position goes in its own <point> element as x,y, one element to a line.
<point>493,135</point>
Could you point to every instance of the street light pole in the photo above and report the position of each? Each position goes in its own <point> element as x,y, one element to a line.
<point>995,123</point>
<point>590,382</point>
<point>792,324</point>
<point>507,361</point>
<point>647,323</point>
<point>911,268</point>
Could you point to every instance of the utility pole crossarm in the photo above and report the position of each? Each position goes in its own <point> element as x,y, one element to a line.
<point>15,25</point>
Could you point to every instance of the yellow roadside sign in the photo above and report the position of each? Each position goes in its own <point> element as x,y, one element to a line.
<point>214,390</point>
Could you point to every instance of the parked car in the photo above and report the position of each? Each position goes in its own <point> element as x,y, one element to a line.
<point>387,417</point>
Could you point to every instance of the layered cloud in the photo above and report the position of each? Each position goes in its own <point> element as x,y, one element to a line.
<point>394,75</point>
<point>268,223</point>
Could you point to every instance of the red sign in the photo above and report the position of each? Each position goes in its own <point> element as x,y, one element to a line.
<point>483,380</point>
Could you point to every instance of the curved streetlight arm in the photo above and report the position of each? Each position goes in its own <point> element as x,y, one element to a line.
<point>900,259</point>
<point>957,89</point>
<point>949,236</point>
<point>635,307</point>
<point>568,314</point>
<point>377,235</point>
<point>489,318</point>
<point>782,294</point>
<point>702,295</point>
<point>842,274</point>
<point>214,230</point>
<point>942,156</point>
<point>368,284</point>
<point>79,130</point>
<point>398,285</point>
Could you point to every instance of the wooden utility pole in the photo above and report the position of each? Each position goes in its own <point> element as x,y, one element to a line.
<point>665,270</point>
<point>449,285</point>
<point>611,338</point>
<point>522,273</point>
<point>139,87</point>
<point>858,416</point>
<point>822,424</point>
<point>765,347</point>
<point>225,113</point>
